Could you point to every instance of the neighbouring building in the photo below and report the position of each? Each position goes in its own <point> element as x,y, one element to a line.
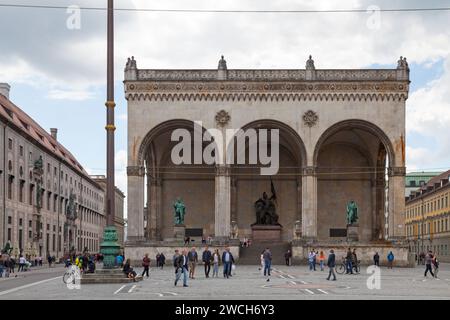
<point>416,180</point>
<point>48,203</point>
<point>341,138</point>
<point>428,217</point>
<point>119,221</point>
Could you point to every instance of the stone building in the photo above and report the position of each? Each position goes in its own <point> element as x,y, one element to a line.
<point>48,202</point>
<point>341,138</point>
<point>119,221</point>
<point>428,217</point>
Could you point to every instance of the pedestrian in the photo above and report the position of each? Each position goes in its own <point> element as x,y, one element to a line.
<point>7,266</point>
<point>193,260</point>
<point>181,267</point>
<point>40,261</point>
<point>128,270</point>
<point>146,265</point>
<point>376,259</point>
<point>203,240</point>
<point>1,266</point>
<point>175,256</point>
<point>228,260</point>
<point>12,265</point>
<point>435,264</point>
<point>321,260</point>
<point>315,259</point>
<point>206,258</point>
<point>287,257</point>
<point>49,260</point>
<point>312,260</point>
<point>22,262</point>
<point>331,263</point>
<point>355,261</point>
<point>267,256</point>
<point>390,259</point>
<point>216,262</point>
<point>261,262</point>
<point>187,240</point>
<point>428,262</point>
<point>157,259</point>
<point>162,260</point>
<point>348,261</point>
<point>119,260</point>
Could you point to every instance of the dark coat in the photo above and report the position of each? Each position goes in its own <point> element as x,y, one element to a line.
<point>231,257</point>
<point>192,256</point>
<point>331,263</point>
<point>206,256</point>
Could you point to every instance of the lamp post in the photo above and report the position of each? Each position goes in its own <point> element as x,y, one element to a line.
<point>109,247</point>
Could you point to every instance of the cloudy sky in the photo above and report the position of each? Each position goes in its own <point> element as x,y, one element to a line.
<point>57,74</point>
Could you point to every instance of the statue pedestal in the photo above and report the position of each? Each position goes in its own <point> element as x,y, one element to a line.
<point>266,232</point>
<point>179,231</point>
<point>352,232</point>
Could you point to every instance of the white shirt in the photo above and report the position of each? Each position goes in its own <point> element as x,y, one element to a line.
<point>22,260</point>
<point>227,257</point>
<point>216,258</point>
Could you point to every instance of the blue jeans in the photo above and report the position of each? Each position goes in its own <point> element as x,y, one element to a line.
<point>349,266</point>
<point>178,276</point>
<point>311,265</point>
<point>267,265</point>
<point>216,269</point>
<point>321,265</point>
<point>1,271</point>
<point>227,269</point>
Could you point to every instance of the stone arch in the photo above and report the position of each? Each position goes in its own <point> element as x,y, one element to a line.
<point>356,124</point>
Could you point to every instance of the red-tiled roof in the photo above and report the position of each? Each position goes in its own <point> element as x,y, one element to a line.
<point>31,128</point>
<point>443,176</point>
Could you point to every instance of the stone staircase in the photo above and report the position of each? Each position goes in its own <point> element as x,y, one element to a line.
<point>107,276</point>
<point>251,255</point>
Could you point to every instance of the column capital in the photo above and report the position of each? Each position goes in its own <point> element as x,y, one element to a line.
<point>396,171</point>
<point>309,171</point>
<point>135,171</point>
<point>223,170</point>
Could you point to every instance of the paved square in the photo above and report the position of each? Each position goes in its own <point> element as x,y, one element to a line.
<point>294,282</point>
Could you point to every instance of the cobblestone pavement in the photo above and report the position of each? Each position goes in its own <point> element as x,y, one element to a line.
<point>294,282</point>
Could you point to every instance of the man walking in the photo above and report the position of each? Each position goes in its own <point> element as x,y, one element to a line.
<point>22,262</point>
<point>193,260</point>
<point>181,267</point>
<point>287,257</point>
<point>390,259</point>
<point>267,256</point>
<point>348,261</point>
<point>376,259</point>
<point>227,259</point>
<point>331,263</point>
<point>146,265</point>
<point>206,258</point>
<point>428,261</point>
<point>312,260</point>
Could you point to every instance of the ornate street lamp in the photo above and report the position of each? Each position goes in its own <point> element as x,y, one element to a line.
<point>109,247</point>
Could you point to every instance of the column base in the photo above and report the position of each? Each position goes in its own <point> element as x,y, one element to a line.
<point>109,248</point>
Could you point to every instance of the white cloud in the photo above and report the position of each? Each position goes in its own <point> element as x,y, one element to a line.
<point>74,95</point>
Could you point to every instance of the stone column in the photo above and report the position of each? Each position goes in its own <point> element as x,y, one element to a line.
<point>222,212</point>
<point>309,203</point>
<point>153,207</point>
<point>135,203</point>
<point>396,221</point>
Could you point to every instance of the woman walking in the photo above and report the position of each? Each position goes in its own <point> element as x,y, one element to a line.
<point>321,260</point>
<point>435,264</point>
<point>216,262</point>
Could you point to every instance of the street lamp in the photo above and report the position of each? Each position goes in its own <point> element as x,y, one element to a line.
<point>109,247</point>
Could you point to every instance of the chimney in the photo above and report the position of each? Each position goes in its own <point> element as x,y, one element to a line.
<point>4,89</point>
<point>54,133</point>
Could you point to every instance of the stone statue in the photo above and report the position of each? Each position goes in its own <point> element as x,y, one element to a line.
<point>352,213</point>
<point>39,165</point>
<point>402,63</point>
<point>266,211</point>
<point>71,208</point>
<point>8,248</point>
<point>310,63</point>
<point>222,64</point>
<point>39,194</point>
<point>180,211</point>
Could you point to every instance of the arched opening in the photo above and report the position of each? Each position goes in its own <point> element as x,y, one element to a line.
<point>248,183</point>
<point>352,160</point>
<point>166,180</point>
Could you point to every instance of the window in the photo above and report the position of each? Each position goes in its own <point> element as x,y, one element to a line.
<point>30,234</point>
<point>9,234</point>
<point>48,168</point>
<point>30,223</point>
<point>20,222</point>
<point>21,151</point>
<point>30,156</point>
<point>21,189</point>
<point>30,199</point>
<point>412,183</point>
<point>10,144</point>
<point>10,187</point>
<point>9,220</point>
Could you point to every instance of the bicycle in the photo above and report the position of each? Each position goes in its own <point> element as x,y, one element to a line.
<point>342,267</point>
